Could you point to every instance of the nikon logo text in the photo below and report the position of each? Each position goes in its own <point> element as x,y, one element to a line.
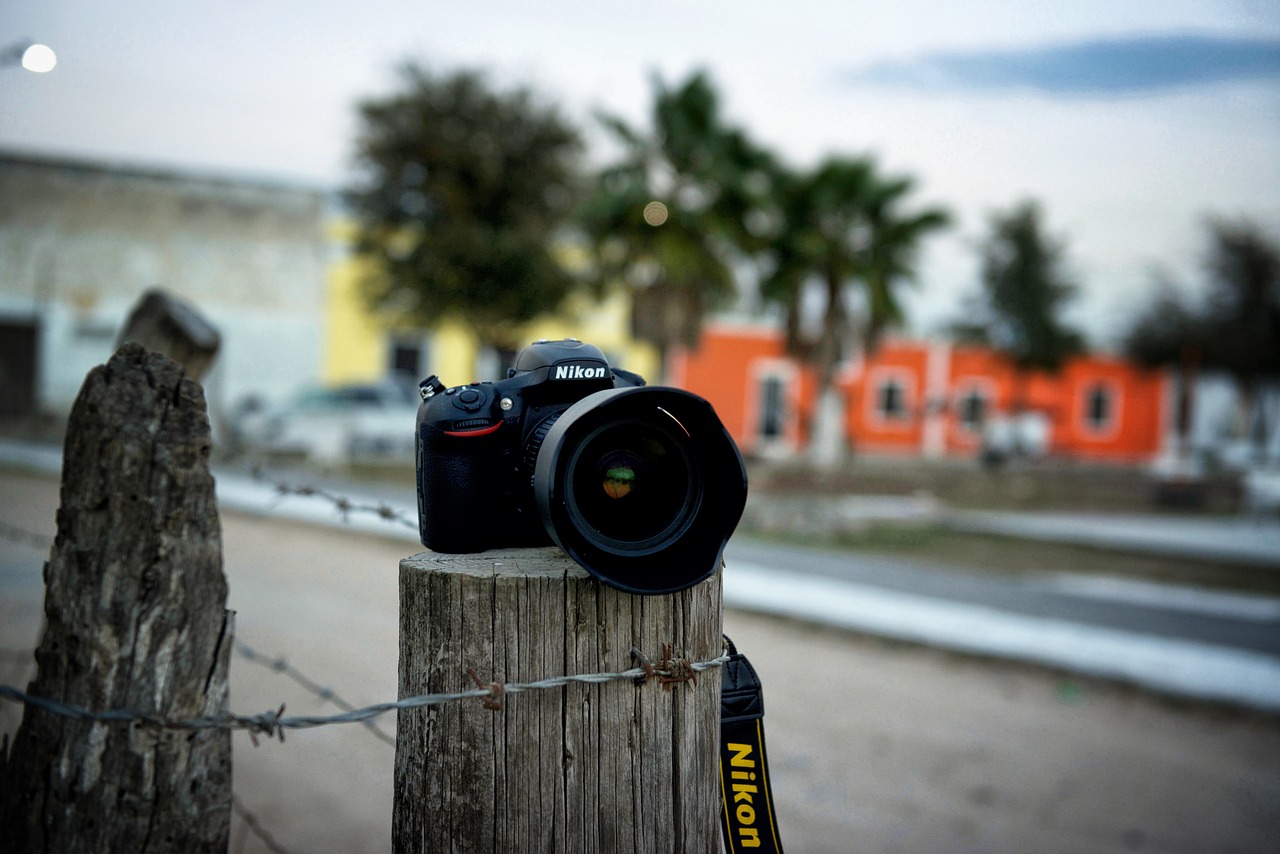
<point>578,372</point>
<point>743,805</point>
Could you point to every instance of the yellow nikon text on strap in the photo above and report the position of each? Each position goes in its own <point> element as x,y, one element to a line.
<point>747,817</point>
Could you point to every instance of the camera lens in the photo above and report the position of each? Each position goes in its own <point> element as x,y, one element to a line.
<point>641,486</point>
<point>633,483</point>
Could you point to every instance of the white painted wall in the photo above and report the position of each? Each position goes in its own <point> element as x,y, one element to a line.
<point>81,242</point>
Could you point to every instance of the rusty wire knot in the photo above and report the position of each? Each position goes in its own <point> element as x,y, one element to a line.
<point>676,669</point>
<point>493,700</point>
<point>669,670</point>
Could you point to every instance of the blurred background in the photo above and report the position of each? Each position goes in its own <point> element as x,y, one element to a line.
<point>251,159</point>
<point>988,294</point>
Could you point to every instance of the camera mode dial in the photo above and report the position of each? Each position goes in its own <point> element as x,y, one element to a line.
<point>469,399</point>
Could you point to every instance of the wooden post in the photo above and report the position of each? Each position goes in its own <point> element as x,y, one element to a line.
<point>604,767</point>
<point>135,619</point>
<point>165,324</point>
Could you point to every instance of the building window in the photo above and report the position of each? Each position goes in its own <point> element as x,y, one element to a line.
<point>1099,408</point>
<point>772,408</point>
<point>405,360</point>
<point>770,414</point>
<point>408,358</point>
<point>891,400</point>
<point>972,409</point>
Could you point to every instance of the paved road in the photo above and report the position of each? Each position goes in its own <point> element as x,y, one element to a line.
<point>1232,620</point>
<point>1240,540</point>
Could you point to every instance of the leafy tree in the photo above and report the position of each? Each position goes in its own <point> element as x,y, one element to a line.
<point>1168,332</point>
<point>1165,331</point>
<point>462,191</point>
<point>1242,313</point>
<point>843,228</point>
<point>1024,289</point>
<point>1235,328</point>
<point>669,219</point>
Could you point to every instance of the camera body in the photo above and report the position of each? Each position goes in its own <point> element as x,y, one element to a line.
<point>475,444</point>
<point>640,485</point>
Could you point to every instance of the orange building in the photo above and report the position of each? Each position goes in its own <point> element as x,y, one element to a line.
<point>928,398</point>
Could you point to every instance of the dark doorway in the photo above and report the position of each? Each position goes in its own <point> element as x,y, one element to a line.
<point>19,341</point>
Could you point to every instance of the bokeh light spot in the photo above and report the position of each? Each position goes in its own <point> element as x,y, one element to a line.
<point>39,58</point>
<point>655,213</point>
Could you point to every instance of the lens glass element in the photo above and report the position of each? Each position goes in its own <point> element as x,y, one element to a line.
<point>632,482</point>
<point>640,485</point>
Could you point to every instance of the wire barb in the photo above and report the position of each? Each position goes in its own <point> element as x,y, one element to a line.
<point>493,700</point>
<point>676,669</point>
<point>282,666</point>
<point>644,663</point>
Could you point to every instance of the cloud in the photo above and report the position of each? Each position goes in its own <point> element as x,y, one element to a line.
<point>1134,65</point>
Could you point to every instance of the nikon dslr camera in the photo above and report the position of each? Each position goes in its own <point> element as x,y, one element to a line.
<point>641,486</point>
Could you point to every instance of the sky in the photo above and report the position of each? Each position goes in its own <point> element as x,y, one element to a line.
<point>1129,122</point>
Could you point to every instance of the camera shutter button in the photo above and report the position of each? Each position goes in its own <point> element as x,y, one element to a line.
<point>468,399</point>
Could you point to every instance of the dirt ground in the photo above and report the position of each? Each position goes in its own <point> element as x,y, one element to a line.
<point>874,746</point>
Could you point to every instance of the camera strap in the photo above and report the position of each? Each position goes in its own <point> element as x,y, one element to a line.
<point>747,817</point>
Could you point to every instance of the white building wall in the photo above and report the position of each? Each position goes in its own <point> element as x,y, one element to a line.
<point>935,400</point>
<point>81,242</point>
<point>1215,423</point>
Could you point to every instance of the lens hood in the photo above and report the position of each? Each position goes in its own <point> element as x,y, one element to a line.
<point>641,486</point>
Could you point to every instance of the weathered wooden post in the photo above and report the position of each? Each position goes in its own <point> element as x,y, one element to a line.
<point>165,324</point>
<point>135,619</point>
<point>601,767</point>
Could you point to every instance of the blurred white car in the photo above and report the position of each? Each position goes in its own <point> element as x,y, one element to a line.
<point>335,424</point>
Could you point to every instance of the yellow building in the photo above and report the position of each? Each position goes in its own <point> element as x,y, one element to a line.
<point>360,347</point>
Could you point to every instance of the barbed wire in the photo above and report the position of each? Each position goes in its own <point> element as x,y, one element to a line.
<point>273,724</point>
<point>345,506</point>
<point>21,536</point>
<point>255,827</point>
<point>276,663</point>
<point>280,665</point>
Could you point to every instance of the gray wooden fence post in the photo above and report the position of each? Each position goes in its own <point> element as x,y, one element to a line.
<point>601,767</point>
<point>135,619</point>
<point>166,324</point>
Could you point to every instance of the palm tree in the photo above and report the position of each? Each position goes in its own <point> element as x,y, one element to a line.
<point>669,219</point>
<point>844,231</point>
<point>891,252</point>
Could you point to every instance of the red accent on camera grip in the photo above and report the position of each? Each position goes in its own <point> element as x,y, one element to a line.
<point>484,431</point>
